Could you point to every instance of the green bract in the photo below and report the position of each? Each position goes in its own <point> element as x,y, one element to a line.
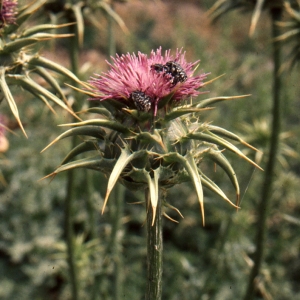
<point>144,152</point>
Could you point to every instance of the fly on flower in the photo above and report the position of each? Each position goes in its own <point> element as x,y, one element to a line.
<point>131,73</point>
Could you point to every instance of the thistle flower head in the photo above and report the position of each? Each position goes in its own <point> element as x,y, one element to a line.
<point>156,77</point>
<point>8,11</point>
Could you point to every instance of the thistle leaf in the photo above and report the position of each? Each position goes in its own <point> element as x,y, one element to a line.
<point>52,82</point>
<point>151,139</point>
<point>208,183</point>
<point>10,99</point>
<point>153,190</point>
<point>39,96</point>
<point>86,146</point>
<point>94,163</point>
<point>103,123</point>
<point>183,111</point>
<point>214,100</point>
<point>94,131</point>
<point>191,167</point>
<point>212,80</point>
<point>193,170</point>
<point>222,161</point>
<point>140,116</point>
<point>124,159</point>
<point>212,138</point>
<point>77,10</point>
<point>43,27</point>
<point>29,9</point>
<point>108,9</point>
<point>30,85</point>
<point>97,110</point>
<point>230,135</point>
<point>23,42</point>
<point>17,45</point>
<point>48,64</point>
<point>166,204</point>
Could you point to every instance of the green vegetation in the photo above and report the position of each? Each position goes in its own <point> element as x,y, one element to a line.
<point>211,262</point>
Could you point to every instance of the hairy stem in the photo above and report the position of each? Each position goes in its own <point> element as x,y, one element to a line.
<point>265,200</point>
<point>154,250</point>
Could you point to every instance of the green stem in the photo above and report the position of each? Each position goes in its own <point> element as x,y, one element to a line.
<point>265,200</point>
<point>154,250</point>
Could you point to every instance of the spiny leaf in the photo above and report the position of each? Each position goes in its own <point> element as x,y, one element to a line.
<point>97,110</point>
<point>23,42</point>
<point>140,116</point>
<point>222,161</point>
<point>208,183</point>
<point>30,85</point>
<point>52,82</point>
<point>255,16</point>
<point>89,130</point>
<point>124,159</point>
<point>46,63</point>
<point>191,167</point>
<point>173,208</point>
<point>91,145</point>
<point>183,111</point>
<point>43,27</point>
<point>210,101</point>
<point>108,9</point>
<point>151,139</point>
<point>168,217</point>
<point>210,137</point>
<point>103,123</point>
<point>230,135</point>
<point>95,163</point>
<point>212,80</point>
<point>153,190</point>
<point>39,96</point>
<point>77,10</point>
<point>10,99</point>
<point>193,170</point>
<point>30,8</point>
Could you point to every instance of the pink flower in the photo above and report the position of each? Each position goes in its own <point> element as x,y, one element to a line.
<point>152,77</point>
<point>8,11</point>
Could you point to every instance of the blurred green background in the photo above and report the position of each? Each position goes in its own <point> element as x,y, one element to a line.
<point>211,262</point>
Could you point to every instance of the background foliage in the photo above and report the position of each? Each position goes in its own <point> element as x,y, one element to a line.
<point>212,261</point>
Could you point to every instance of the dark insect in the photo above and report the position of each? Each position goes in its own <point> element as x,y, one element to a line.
<point>159,68</point>
<point>141,100</point>
<point>176,71</point>
<point>172,68</point>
